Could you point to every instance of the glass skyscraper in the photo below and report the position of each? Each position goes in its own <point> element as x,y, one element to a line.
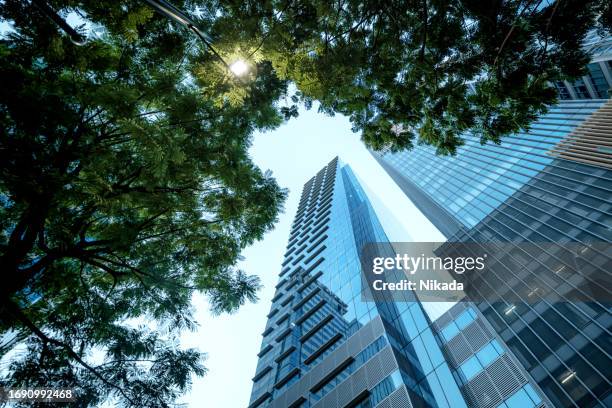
<point>461,191</point>
<point>488,374</point>
<point>552,183</point>
<point>325,347</point>
<point>598,79</point>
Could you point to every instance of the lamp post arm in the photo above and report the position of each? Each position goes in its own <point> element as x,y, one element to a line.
<point>199,33</point>
<point>173,13</point>
<point>75,37</point>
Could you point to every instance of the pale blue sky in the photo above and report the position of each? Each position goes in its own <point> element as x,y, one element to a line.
<point>294,153</point>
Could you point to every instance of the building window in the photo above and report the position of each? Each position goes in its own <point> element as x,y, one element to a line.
<point>581,89</point>
<point>563,92</point>
<point>526,397</point>
<point>599,80</point>
<point>460,323</point>
<point>483,358</point>
<point>345,372</point>
<point>385,388</point>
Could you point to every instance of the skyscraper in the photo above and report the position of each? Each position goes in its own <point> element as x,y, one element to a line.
<point>598,79</point>
<point>552,183</point>
<point>325,347</point>
<point>487,373</point>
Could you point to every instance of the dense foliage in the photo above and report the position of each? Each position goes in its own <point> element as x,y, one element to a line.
<point>124,176</point>
<point>125,187</point>
<point>402,70</point>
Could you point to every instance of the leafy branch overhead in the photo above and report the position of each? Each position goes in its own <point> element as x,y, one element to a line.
<point>126,187</point>
<point>422,71</point>
<point>125,180</point>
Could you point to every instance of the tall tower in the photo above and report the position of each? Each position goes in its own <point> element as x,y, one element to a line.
<point>550,184</point>
<point>323,347</point>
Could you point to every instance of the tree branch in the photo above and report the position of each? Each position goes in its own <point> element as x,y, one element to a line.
<point>18,313</point>
<point>545,48</point>
<point>512,29</point>
<point>424,16</point>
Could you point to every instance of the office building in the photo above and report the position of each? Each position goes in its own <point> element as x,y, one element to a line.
<point>488,374</point>
<point>597,81</point>
<point>550,184</point>
<point>322,345</point>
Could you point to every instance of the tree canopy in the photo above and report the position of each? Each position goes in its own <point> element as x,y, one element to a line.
<point>126,187</point>
<point>125,181</point>
<point>422,71</point>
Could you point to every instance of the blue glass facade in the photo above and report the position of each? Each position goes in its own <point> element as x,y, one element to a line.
<point>487,373</point>
<point>322,345</point>
<point>528,190</point>
<point>470,185</point>
<point>598,79</point>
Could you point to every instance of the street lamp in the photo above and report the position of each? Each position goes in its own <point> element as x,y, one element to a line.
<point>239,67</point>
<point>75,37</point>
<point>166,9</point>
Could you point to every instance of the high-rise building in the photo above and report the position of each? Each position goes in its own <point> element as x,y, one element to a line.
<point>552,183</point>
<point>487,373</point>
<point>460,191</point>
<point>597,81</point>
<point>323,346</point>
